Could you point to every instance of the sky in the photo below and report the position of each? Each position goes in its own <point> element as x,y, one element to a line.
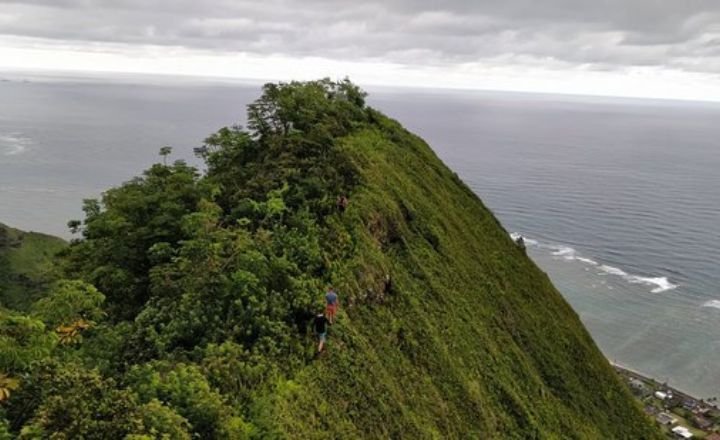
<point>643,48</point>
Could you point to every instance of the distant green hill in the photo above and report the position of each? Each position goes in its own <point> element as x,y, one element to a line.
<point>25,260</point>
<point>187,303</point>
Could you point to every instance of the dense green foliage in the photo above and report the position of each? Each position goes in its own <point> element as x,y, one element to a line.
<point>184,306</point>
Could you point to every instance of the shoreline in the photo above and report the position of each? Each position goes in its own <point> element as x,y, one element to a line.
<point>676,391</point>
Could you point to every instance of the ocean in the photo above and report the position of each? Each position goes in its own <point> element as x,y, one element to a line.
<point>618,199</point>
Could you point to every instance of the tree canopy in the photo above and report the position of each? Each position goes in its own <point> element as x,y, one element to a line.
<point>218,270</point>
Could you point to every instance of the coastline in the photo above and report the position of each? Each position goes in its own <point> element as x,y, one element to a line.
<point>677,413</point>
<point>678,392</point>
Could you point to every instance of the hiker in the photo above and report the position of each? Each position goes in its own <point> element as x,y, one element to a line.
<point>342,203</point>
<point>331,305</point>
<point>320,325</point>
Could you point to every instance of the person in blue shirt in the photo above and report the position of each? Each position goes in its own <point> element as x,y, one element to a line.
<point>331,305</point>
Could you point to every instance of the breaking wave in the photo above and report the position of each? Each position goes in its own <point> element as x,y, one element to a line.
<point>659,284</point>
<point>714,303</point>
<point>13,144</point>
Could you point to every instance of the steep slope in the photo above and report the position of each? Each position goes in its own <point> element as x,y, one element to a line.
<point>186,304</point>
<point>25,259</point>
<point>469,340</point>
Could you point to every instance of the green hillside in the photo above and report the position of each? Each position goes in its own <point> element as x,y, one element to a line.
<point>186,306</point>
<point>471,341</point>
<point>25,260</point>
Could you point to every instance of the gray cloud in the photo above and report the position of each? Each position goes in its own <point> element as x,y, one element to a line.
<point>601,34</point>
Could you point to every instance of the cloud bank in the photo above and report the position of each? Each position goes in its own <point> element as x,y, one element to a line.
<point>663,38</point>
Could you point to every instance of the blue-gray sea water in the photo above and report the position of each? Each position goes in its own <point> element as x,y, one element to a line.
<point>619,200</point>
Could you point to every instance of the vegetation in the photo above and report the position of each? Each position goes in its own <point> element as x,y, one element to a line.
<point>25,265</point>
<point>183,307</point>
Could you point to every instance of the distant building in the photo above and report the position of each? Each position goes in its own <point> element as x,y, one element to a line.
<point>650,410</point>
<point>636,383</point>
<point>712,413</point>
<point>665,419</point>
<point>702,409</point>
<point>702,423</point>
<point>638,387</point>
<point>661,395</point>
<point>682,432</point>
<point>689,404</point>
<point>673,401</point>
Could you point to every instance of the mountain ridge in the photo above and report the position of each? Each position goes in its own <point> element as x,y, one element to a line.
<point>183,307</point>
<point>451,248</point>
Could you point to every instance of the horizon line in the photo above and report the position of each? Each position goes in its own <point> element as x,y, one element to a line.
<point>115,75</point>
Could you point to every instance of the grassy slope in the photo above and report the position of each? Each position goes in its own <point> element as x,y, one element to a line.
<point>24,265</point>
<point>472,341</point>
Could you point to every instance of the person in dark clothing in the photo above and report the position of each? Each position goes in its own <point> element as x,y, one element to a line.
<point>342,203</point>
<point>321,326</point>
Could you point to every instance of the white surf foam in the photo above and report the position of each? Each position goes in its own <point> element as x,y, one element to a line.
<point>714,303</point>
<point>659,284</point>
<point>566,252</point>
<point>662,283</point>
<point>587,261</point>
<point>528,241</point>
<point>613,270</point>
<point>13,144</point>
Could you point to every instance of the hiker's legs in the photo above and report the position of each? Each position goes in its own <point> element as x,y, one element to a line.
<point>321,344</point>
<point>330,313</point>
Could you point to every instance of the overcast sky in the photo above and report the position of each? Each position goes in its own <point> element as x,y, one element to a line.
<point>655,48</point>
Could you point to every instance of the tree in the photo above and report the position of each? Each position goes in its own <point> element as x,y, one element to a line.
<point>161,422</point>
<point>67,401</point>
<point>68,302</point>
<point>22,340</point>
<point>219,271</point>
<point>291,142</point>
<point>184,389</point>
<point>237,372</point>
<point>165,152</point>
<point>119,232</point>
<point>74,226</point>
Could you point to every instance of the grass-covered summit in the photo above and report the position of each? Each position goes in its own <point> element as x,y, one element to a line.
<point>184,305</point>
